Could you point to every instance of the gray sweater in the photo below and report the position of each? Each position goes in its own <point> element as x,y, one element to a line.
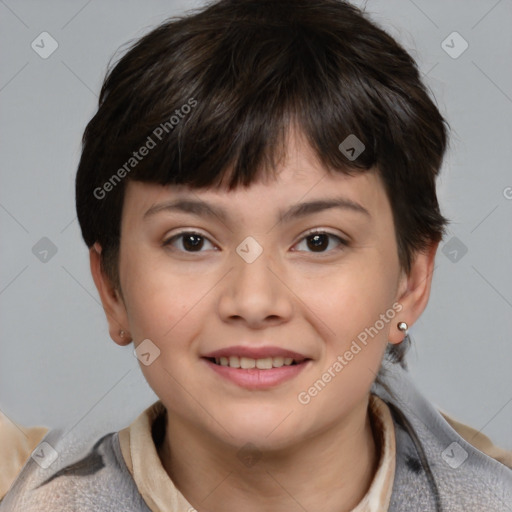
<point>436,469</point>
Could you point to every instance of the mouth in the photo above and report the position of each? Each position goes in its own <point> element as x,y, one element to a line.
<point>248,363</point>
<point>256,368</point>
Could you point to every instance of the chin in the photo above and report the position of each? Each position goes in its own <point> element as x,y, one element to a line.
<point>267,430</point>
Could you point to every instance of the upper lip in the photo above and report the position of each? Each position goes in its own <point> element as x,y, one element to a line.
<point>255,353</point>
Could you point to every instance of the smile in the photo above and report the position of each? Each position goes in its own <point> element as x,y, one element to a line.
<point>256,374</point>
<point>246,363</point>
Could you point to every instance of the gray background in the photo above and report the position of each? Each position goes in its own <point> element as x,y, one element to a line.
<point>58,365</point>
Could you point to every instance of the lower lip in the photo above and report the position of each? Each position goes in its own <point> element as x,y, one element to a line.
<point>254,378</point>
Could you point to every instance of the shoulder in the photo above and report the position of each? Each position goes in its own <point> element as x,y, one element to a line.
<point>479,441</point>
<point>436,467</point>
<point>66,473</point>
<point>16,445</point>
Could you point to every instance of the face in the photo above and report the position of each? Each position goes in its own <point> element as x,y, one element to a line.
<point>302,267</point>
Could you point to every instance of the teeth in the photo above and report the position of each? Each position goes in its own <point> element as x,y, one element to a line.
<point>277,362</point>
<point>264,364</point>
<point>234,362</point>
<point>247,363</point>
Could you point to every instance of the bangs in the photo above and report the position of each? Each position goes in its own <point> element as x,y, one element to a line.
<point>228,124</point>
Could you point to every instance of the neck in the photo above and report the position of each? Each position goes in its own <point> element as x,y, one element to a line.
<point>330,472</point>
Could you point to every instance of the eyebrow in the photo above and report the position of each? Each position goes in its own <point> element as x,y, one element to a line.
<point>205,209</point>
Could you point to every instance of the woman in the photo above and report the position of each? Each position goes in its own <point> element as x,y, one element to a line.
<point>257,192</point>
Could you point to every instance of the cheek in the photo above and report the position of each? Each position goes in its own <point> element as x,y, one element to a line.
<point>162,309</point>
<point>348,315</point>
<point>354,299</point>
<point>354,314</point>
<point>156,298</point>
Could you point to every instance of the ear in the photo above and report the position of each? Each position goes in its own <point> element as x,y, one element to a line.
<point>414,290</point>
<point>111,299</point>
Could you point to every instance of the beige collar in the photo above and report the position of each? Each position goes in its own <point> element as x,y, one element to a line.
<point>161,495</point>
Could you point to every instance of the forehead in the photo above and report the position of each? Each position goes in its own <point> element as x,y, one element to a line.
<point>299,176</point>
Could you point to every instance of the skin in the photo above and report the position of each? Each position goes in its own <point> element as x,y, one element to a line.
<point>320,456</point>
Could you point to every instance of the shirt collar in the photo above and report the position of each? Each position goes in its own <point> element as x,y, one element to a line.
<point>161,495</point>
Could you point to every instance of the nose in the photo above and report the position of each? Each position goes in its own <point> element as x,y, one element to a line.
<point>255,293</point>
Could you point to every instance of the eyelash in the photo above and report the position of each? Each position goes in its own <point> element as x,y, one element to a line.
<point>342,242</point>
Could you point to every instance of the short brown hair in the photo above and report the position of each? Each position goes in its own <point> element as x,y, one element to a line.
<point>247,70</point>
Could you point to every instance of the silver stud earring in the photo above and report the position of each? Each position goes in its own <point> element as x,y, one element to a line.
<point>402,326</point>
<point>122,333</point>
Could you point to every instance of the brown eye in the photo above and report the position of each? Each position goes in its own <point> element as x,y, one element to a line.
<point>190,241</point>
<point>321,242</point>
<point>318,242</point>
